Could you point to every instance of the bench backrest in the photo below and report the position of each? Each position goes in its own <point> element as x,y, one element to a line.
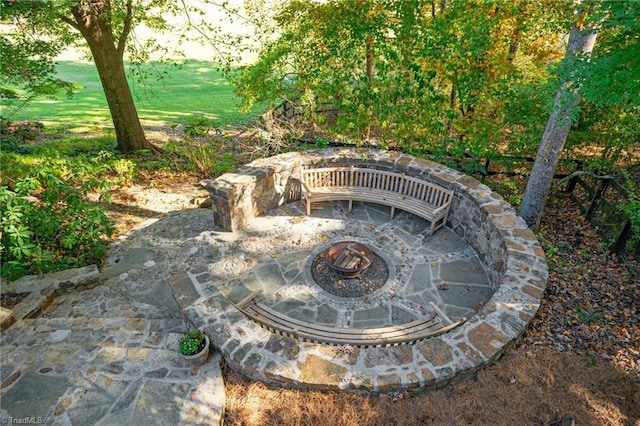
<point>327,177</point>
<point>376,180</point>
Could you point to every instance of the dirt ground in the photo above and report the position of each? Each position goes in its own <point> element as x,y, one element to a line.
<point>577,364</point>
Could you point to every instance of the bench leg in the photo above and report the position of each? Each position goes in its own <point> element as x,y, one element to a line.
<point>435,226</point>
<point>440,312</point>
<point>350,205</point>
<point>308,207</point>
<point>393,211</point>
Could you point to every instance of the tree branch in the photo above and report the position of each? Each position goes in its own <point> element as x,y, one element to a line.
<point>198,30</point>
<point>126,30</point>
<point>224,6</point>
<point>71,22</point>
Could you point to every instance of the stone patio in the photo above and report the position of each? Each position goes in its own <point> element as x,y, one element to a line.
<point>487,266</point>
<point>101,348</point>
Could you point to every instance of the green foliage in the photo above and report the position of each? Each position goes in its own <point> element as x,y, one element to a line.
<point>27,72</point>
<point>209,156</point>
<point>608,81</point>
<point>321,142</point>
<point>198,127</point>
<point>94,155</point>
<point>225,164</point>
<point>192,342</point>
<point>613,69</point>
<point>56,230</point>
<point>458,81</point>
<point>438,82</point>
<point>123,168</point>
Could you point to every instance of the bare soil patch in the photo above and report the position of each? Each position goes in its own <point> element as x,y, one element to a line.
<point>10,300</point>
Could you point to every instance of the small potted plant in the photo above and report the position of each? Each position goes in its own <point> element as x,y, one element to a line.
<point>194,345</point>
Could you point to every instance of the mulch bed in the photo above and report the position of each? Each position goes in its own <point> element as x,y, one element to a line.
<point>592,301</point>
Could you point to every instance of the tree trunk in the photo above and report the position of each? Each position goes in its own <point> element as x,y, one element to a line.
<point>125,118</point>
<point>370,61</point>
<point>581,41</point>
<point>92,20</point>
<point>443,5</point>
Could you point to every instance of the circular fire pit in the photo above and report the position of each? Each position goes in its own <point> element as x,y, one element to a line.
<point>349,258</point>
<point>372,277</point>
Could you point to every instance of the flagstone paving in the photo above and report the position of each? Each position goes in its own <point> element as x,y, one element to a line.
<point>105,352</point>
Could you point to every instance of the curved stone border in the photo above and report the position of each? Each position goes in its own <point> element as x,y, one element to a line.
<point>509,250</point>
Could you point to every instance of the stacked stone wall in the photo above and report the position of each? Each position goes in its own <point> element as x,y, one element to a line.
<point>509,250</point>
<point>268,183</point>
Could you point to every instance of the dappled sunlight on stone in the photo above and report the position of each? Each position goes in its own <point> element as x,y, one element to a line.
<point>483,266</point>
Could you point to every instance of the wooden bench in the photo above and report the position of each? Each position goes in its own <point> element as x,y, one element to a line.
<point>396,190</point>
<point>408,333</point>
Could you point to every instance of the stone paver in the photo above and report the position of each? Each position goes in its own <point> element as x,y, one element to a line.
<point>497,281</point>
<point>104,350</point>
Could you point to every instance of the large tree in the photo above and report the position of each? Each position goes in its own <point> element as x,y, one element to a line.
<point>602,85</point>
<point>106,28</point>
<point>93,19</point>
<point>581,42</point>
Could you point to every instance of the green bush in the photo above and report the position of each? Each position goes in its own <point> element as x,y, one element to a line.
<point>224,164</point>
<point>47,225</point>
<point>197,128</point>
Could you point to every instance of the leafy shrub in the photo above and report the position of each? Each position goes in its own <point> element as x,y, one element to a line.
<point>123,168</point>
<point>198,127</point>
<point>46,223</point>
<point>224,164</point>
<point>322,142</point>
<point>209,156</point>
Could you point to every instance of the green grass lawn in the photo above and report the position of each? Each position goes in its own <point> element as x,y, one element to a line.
<point>194,90</point>
<point>80,128</point>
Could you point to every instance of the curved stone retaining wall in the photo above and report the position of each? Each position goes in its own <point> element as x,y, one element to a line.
<point>509,250</point>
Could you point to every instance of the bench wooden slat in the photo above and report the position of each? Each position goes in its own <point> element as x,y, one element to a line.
<point>410,332</point>
<point>396,190</point>
<point>356,337</point>
<point>426,322</point>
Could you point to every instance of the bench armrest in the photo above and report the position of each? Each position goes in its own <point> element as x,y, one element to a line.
<point>440,210</point>
<point>305,189</point>
<point>249,298</point>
